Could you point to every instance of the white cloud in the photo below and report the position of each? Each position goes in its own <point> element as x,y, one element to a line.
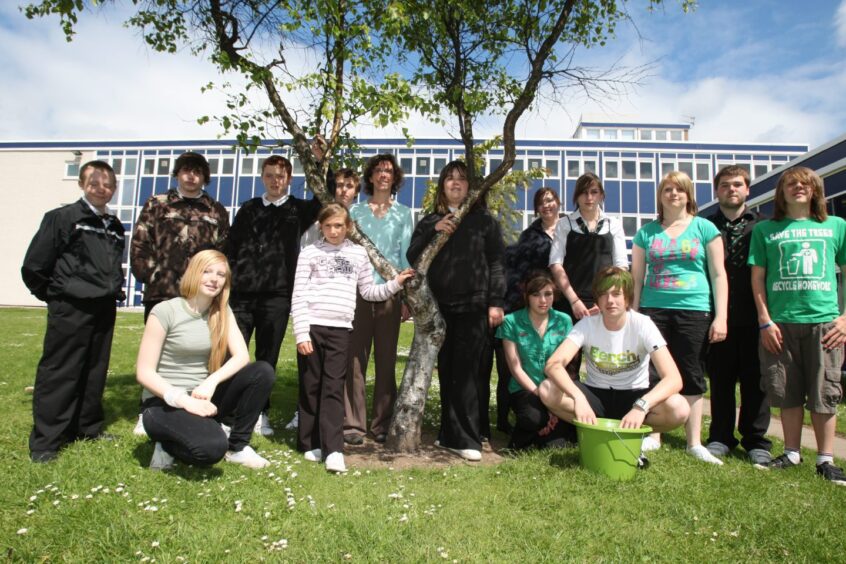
<point>840,24</point>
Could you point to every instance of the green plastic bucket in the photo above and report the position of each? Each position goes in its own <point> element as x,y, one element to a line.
<point>609,449</point>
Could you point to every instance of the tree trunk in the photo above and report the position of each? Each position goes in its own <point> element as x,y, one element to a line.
<point>429,332</point>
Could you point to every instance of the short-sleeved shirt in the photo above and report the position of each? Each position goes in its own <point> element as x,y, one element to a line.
<point>612,225</point>
<point>391,233</point>
<point>677,269</point>
<point>617,359</point>
<point>801,258</point>
<point>533,349</point>
<point>184,360</point>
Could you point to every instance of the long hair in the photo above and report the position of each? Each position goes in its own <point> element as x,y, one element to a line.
<point>538,201</point>
<point>441,205</point>
<point>584,183</point>
<point>218,317</point>
<point>374,162</point>
<point>807,176</point>
<point>684,182</point>
<point>536,281</point>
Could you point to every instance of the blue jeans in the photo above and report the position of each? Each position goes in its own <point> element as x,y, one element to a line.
<point>200,440</point>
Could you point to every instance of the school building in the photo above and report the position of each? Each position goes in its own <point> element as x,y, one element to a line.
<point>630,157</point>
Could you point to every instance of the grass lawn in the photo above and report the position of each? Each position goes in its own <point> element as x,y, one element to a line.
<point>99,503</point>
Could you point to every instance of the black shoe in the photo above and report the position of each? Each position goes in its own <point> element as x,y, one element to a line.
<point>353,439</point>
<point>381,438</point>
<point>831,473</point>
<point>782,462</point>
<point>43,456</point>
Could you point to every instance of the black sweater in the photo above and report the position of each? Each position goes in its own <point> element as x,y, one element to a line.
<point>467,274</point>
<point>264,244</point>
<point>75,255</point>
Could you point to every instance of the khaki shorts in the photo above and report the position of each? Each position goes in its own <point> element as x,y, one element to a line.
<point>804,372</point>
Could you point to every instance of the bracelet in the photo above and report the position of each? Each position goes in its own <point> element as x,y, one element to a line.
<point>173,397</point>
<point>765,325</point>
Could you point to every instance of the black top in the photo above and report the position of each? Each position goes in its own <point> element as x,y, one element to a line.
<point>736,237</point>
<point>467,274</point>
<point>76,254</point>
<point>264,244</point>
<point>529,254</point>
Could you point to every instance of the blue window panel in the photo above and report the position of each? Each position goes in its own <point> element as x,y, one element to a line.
<point>612,196</point>
<point>743,157</point>
<point>214,187</point>
<point>779,158</point>
<point>245,189</point>
<point>419,192</point>
<point>647,198</point>
<point>520,203</point>
<point>701,157</point>
<point>405,196</point>
<point>146,190</point>
<point>567,196</point>
<point>162,185</point>
<point>610,154</point>
<point>685,156</point>
<point>298,187</point>
<point>629,197</point>
<point>646,155</point>
<point>224,194</point>
<point>668,155</point>
<point>761,157</point>
<point>704,194</point>
<point>629,244</point>
<point>534,152</point>
<point>589,153</point>
<point>629,155</point>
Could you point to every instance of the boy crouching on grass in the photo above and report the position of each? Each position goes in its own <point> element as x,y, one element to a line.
<point>323,307</point>
<point>793,258</point>
<point>617,345</point>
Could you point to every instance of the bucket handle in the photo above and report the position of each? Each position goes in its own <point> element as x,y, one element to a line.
<point>642,461</point>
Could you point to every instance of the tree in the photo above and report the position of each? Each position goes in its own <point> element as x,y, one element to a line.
<point>468,59</point>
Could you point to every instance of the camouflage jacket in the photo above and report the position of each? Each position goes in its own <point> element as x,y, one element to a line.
<point>168,232</point>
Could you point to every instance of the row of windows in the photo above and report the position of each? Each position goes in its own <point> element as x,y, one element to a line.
<point>633,134</point>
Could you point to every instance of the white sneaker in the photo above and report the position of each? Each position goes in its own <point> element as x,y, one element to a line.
<point>699,452</point>
<point>649,444</point>
<point>139,430</point>
<point>247,457</point>
<point>293,423</point>
<point>470,454</point>
<point>314,455</point>
<point>226,429</point>
<point>161,459</point>
<point>335,462</point>
<point>263,425</point>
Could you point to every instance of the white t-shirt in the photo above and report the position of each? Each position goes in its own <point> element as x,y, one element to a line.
<point>617,359</point>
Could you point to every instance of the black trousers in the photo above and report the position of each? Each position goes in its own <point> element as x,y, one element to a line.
<point>729,362</point>
<point>321,405</point>
<point>460,379</point>
<point>503,397</point>
<point>67,402</point>
<point>532,416</point>
<point>493,351</point>
<point>200,440</point>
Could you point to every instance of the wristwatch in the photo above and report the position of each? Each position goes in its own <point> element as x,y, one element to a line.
<point>642,405</point>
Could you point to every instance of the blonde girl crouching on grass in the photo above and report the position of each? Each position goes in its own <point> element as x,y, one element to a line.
<point>323,308</point>
<point>189,383</point>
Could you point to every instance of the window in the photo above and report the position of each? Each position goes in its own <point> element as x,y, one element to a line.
<point>423,166</point>
<point>72,169</point>
<point>573,169</point>
<point>592,133</point>
<point>405,165</point>
<point>440,163</point>
<point>149,166</point>
<point>495,164</point>
<point>646,134</point>
<point>703,172</point>
<point>629,170</point>
<point>687,168</point>
<point>552,167</point>
<point>609,133</point>
<point>676,135</point>
<point>630,226</point>
<point>518,164</point>
<point>296,166</point>
<point>590,166</point>
<point>228,165</point>
<point>644,221</point>
<point>127,196</point>
<point>535,163</point>
<point>129,166</point>
<point>627,135</point>
<point>760,170</point>
<point>646,170</point>
<point>213,165</point>
<point>247,166</point>
<point>164,167</point>
<point>117,165</point>
<point>660,135</point>
<point>612,169</point>
<point>667,168</point>
<point>125,216</point>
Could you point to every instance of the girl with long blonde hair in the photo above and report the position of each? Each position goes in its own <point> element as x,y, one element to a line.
<point>189,383</point>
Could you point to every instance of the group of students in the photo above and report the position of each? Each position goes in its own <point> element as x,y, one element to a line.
<point>209,287</point>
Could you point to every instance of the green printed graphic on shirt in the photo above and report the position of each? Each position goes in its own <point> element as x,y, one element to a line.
<point>613,363</point>
<point>801,258</point>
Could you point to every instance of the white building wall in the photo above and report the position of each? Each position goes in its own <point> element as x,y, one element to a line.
<point>34,183</point>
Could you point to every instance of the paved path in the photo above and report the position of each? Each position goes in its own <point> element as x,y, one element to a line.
<point>808,439</point>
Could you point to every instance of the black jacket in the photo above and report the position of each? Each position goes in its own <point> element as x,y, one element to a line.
<point>467,274</point>
<point>75,255</point>
<point>264,244</point>
<point>530,253</point>
<point>736,238</point>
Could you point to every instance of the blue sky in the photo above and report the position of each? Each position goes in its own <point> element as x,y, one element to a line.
<point>755,70</point>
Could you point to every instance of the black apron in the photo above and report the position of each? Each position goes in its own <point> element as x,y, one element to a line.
<point>587,253</point>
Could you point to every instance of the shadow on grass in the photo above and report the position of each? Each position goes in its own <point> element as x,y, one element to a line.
<point>565,458</point>
<point>144,451</point>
